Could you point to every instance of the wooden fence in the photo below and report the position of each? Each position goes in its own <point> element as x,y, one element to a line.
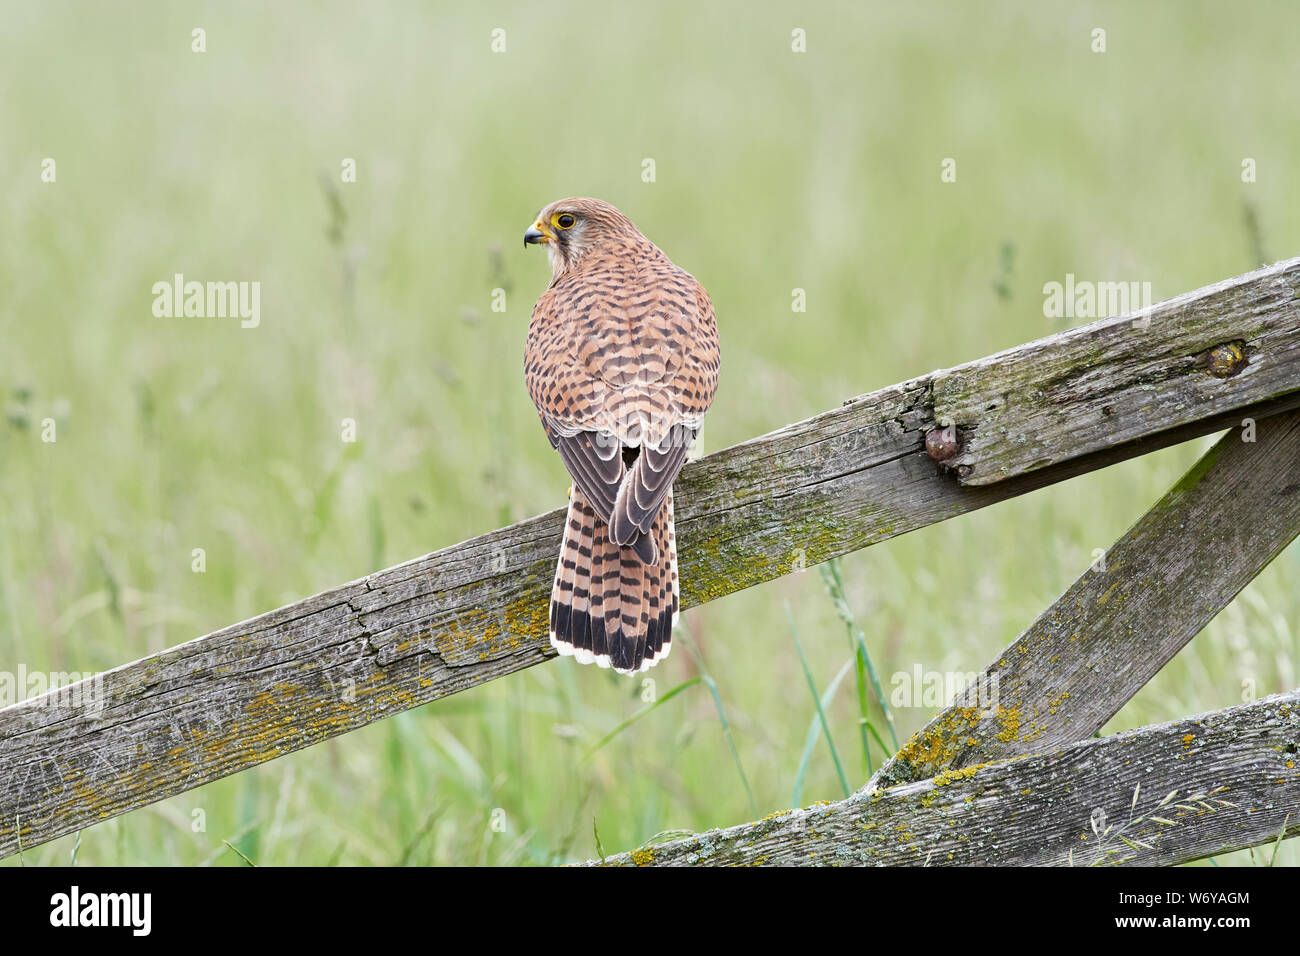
<point>1022,781</point>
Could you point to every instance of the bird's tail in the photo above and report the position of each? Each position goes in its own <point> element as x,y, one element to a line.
<point>608,606</point>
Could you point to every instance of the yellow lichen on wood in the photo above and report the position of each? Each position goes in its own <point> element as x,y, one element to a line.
<point>1009,720</point>
<point>952,776</point>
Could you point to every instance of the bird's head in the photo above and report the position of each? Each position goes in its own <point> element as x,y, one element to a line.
<point>572,229</point>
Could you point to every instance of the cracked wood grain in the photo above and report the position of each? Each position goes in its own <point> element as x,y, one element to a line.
<point>1159,795</point>
<point>476,611</point>
<point>1125,377</point>
<point>1124,618</point>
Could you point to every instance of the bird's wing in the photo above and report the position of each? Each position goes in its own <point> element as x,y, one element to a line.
<point>648,482</point>
<point>594,461</point>
<point>570,399</point>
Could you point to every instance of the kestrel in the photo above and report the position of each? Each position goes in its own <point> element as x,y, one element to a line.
<point>622,363</point>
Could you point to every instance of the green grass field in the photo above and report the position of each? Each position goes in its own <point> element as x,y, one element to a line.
<point>774,170</point>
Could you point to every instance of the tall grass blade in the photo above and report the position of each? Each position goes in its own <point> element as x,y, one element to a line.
<point>684,685</point>
<point>835,586</point>
<point>821,714</point>
<point>810,738</point>
<point>722,717</point>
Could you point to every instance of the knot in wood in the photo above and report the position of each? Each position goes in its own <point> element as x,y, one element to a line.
<point>941,443</point>
<point>1226,360</point>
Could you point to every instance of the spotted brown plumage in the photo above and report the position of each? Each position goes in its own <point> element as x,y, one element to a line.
<point>622,363</point>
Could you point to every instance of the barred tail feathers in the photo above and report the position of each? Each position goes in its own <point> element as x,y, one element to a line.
<point>608,606</point>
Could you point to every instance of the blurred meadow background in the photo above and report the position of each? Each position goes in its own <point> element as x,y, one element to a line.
<point>774,170</point>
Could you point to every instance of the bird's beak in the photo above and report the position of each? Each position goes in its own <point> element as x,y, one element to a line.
<point>538,232</point>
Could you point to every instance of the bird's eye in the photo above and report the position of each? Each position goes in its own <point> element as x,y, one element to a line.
<point>565,221</point>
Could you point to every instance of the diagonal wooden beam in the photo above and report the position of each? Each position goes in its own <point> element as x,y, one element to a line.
<point>1158,795</point>
<point>1125,617</point>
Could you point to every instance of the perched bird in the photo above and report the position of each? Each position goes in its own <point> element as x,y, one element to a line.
<point>622,363</point>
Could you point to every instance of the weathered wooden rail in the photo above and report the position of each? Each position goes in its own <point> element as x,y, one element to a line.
<point>1159,795</point>
<point>843,480</point>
